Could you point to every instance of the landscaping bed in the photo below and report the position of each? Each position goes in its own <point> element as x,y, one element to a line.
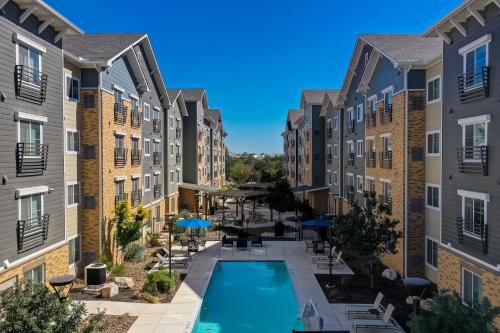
<point>116,324</point>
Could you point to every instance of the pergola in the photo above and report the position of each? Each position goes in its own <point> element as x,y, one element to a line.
<point>241,196</point>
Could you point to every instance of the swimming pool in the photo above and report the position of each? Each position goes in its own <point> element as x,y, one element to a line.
<point>249,297</point>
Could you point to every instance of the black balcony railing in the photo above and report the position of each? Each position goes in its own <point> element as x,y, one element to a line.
<point>349,193</point>
<point>371,119</point>
<point>156,125</point>
<point>120,157</point>
<point>31,159</point>
<point>473,159</point>
<point>200,157</point>
<point>371,197</point>
<point>178,158</point>
<point>120,112</point>
<point>31,84</point>
<point>120,197</point>
<point>329,133</point>
<point>32,232</point>
<point>329,159</point>
<point>136,198</point>
<point>135,156</point>
<point>385,204</point>
<point>307,158</point>
<point>136,118</point>
<point>156,158</point>
<point>385,159</point>
<point>386,114</point>
<point>351,126</point>
<point>371,159</point>
<point>157,191</point>
<point>478,231</point>
<point>474,85</point>
<point>178,132</point>
<point>351,157</point>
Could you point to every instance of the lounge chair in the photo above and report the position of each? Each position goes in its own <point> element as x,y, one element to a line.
<point>241,243</point>
<point>325,262</point>
<point>176,261</point>
<point>316,258</point>
<point>386,323</point>
<point>257,242</point>
<point>227,241</point>
<point>366,311</point>
<point>202,243</point>
<point>184,244</point>
<point>309,244</point>
<point>177,254</point>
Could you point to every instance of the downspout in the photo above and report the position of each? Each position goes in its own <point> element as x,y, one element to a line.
<point>99,129</point>
<point>405,242</point>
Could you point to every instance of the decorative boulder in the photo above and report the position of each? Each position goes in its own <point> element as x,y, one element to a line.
<point>124,282</point>
<point>110,290</point>
<point>390,274</point>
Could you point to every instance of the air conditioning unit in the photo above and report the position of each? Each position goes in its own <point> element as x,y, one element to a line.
<point>95,276</point>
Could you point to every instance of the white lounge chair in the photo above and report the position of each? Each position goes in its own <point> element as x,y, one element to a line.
<point>309,244</point>
<point>177,254</point>
<point>175,261</point>
<point>386,323</point>
<point>337,260</point>
<point>316,258</point>
<point>366,311</point>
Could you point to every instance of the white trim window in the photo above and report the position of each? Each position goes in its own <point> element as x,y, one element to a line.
<point>359,183</point>
<point>432,196</point>
<point>474,212</point>
<point>72,141</point>
<point>474,135</point>
<point>72,88</point>
<point>72,194</point>
<point>329,177</point>
<point>31,209</point>
<point>74,250</point>
<point>146,110</point>
<point>359,148</point>
<point>472,287</point>
<point>433,143</point>
<point>475,58</point>
<point>434,89</point>
<point>30,57</point>
<point>335,123</point>
<point>35,275</point>
<point>372,103</point>
<point>147,147</point>
<point>335,150</point>
<point>147,182</point>
<point>335,178</point>
<point>350,147</point>
<point>171,149</point>
<point>431,252</point>
<point>360,112</point>
<point>171,177</point>
<point>350,180</point>
<point>30,132</point>
<point>171,122</point>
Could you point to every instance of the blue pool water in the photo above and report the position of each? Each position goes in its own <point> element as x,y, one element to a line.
<point>249,297</point>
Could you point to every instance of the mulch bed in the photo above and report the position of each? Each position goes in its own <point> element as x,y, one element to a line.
<point>116,324</point>
<point>356,289</point>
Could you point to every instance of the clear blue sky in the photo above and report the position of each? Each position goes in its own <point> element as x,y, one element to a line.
<point>254,57</point>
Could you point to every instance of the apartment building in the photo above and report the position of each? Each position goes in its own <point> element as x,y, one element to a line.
<point>122,106</point>
<point>290,138</point>
<point>34,237</point>
<point>468,255</point>
<point>217,148</point>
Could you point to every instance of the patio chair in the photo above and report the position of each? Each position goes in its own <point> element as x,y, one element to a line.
<point>319,247</point>
<point>386,323</point>
<point>322,262</point>
<point>257,242</point>
<point>177,254</point>
<point>226,242</point>
<point>366,311</point>
<point>241,243</point>
<point>309,244</point>
<point>316,258</point>
<point>184,244</point>
<point>202,243</point>
<point>176,261</point>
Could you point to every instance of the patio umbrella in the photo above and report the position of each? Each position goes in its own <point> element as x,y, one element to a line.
<point>316,223</point>
<point>193,222</point>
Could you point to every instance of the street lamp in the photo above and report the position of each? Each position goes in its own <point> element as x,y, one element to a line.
<point>330,283</point>
<point>62,285</point>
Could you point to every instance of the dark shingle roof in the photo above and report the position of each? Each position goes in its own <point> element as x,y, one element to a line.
<point>172,94</point>
<point>99,47</point>
<point>193,94</point>
<point>406,48</point>
<point>313,96</point>
<point>213,114</point>
<point>294,115</point>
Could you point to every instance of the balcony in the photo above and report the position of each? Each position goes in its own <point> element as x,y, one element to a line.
<point>371,119</point>
<point>371,159</point>
<point>178,132</point>
<point>473,160</point>
<point>478,232</point>
<point>329,133</point>
<point>120,112</point>
<point>351,125</point>
<point>31,158</point>
<point>371,197</point>
<point>385,204</point>
<point>178,158</point>
<point>351,157</point>
<point>386,159</point>
<point>32,232</point>
<point>120,157</point>
<point>136,198</point>
<point>329,159</point>
<point>200,157</point>
<point>349,193</point>
<point>31,84</point>
<point>120,197</point>
<point>307,158</point>
<point>156,158</point>
<point>136,118</point>
<point>136,156</point>
<point>473,85</point>
<point>157,192</point>
<point>386,114</point>
<point>156,125</point>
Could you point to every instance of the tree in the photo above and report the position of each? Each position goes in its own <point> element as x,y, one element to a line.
<point>448,314</point>
<point>128,227</point>
<point>239,172</point>
<point>362,233</point>
<point>281,197</point>
<point>33,308</point>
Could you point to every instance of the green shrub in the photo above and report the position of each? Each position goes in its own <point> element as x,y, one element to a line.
<point>118,270</point>
<point>159,282</point>
<point>104,260</point>
<point>134,252</point>
<point>154,238</point>
<point>151,298</point>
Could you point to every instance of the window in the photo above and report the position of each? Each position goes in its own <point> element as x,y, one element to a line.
<point>171,122</point>
<point>388,97</point>
<point>120,189</point>
<point>156,179</point>
<point>156,146</point>
<point>72,141</point>
<point>74,250</point>
<point>474,135</point>
<point>386,191</point>
<point>31,209</point>
<point>386,144</point>
<point>147,182</point>
<point>147,147</point>
<point>335,123</point>
<point>472,285</point>
<point>359,183</point>
<point>431,251</point>
<point>30,132</point>
<point>473,214</point>
<point>156,114</point>
<point>359,112</point>
<point>351,115</point>
<point>178,176</point>
<point>171,149</point>
<point>433,143</point>
<point>335,150</point>
<point>434,89</point>
<point>118,96</point>
<point>359,148</point>
<point>335,177</point>
<point>475,57</point>
<point>35,275</point>
<point>432,195</point>
<point>119,141</point>
<point>135,103</point>
<point>350,180</point>
<point>373,104</point>
<point>147,111</point>
<point>370,185</point>
<point>350,147</point>
<point>329,177</point>
<point>72,88</point>
<point>89,152</point>
<point>31,58</point>
<point>73,194</point>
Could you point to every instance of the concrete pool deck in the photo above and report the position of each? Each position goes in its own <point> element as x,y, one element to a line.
<point>180,315</point>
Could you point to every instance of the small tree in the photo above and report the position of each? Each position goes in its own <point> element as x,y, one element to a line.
<point>449,315</point>
<point>363,233</point>
<point>281,197</point>
<point>128,227</point>
<point>33,308</point>
<point>239,172</point>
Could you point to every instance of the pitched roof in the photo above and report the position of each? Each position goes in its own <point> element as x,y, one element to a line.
<point>312,96</point>
<point>405,49</point>
<point>330,96</point>
<point>176,95</point>
<point>193,94</point>
<point>173,94</point>
<point>214,114</point>
<point>294,115</point>
<point>99,47</point>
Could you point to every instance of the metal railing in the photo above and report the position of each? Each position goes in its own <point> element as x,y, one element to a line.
<point>31,158</point>
<point>473,159</point>
<point>329,133</point>
<point>120,197</point>
<point>371,119</point>
<point>31,84</point>
<point>156,125</point>
<point>156,158</point>
<point>371,159</point>
<point>136,198</point>
<point>120,157</point>
<point>120,114</point>
<point>479,230</point>
<point>157,191</point>
<point>178,133</point>
<point>386,159</point>
<point>136,118</point>
<point>386,114</point>
<point>385,203</point>
<point>351,157</point>
<point>351,126</point>
<point>136,155</point>
<point>178,158</point>
<point>349,193</point>
<point>474,85</point>
<point>32,232</point>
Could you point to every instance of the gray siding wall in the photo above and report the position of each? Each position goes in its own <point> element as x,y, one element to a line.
<point>452,138</point>
<point>121,74</point>
<point>337,162</point>
<point>318,144</point>
<point>190,144</point>
<point>52,108</point>
<point>384,76</point>
<point>174,111</point>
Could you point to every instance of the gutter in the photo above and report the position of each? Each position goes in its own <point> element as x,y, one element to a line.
<point>99,129</point>
<point>405,240</point>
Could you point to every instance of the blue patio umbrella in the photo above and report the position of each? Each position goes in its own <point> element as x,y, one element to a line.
<point>193,222</point>
<point>316,223</point>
